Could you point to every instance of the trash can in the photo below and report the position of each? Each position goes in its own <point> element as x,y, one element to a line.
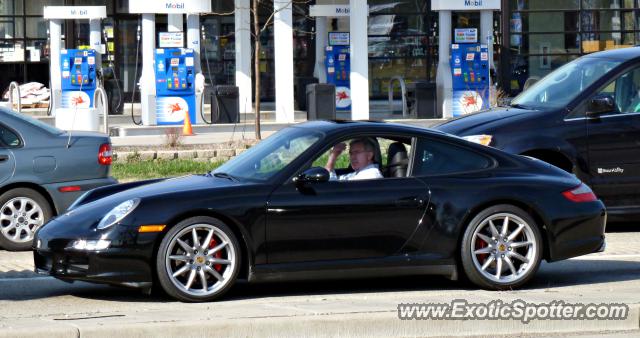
<point>225,104</point>
<point>422,100</point>
<point>321,101</point>
<point>301,90</point>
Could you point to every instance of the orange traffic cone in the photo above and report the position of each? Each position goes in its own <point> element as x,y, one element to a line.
<point>186,127</point>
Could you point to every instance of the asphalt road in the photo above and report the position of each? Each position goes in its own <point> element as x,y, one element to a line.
<point>31,305</point>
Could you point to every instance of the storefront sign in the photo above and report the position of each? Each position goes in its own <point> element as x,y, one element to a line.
<point>330,10</point>
<point>339,39</point>
<point>464,5</point>
<point>75,12</point>
<point>169,6</point>
<point>466,35</point>
<point>171,40</point>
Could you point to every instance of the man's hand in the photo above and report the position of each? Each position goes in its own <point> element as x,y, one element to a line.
<point>333,156</point>
<point>338,149</point>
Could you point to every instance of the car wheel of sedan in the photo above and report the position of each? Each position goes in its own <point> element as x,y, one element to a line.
<point>501,248</point>
<point>22,212</point>
<point>198,260</point>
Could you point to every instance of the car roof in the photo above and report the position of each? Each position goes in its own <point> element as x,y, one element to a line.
<point>624,54</point>
<point>333,126</point>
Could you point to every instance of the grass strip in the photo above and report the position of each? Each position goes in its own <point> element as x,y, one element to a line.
<point>142,170</point>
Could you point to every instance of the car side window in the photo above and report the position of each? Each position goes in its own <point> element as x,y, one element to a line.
<point>391,156</point>
<point>434,157</point>
<point>625,91</point>
<point>8,139</point>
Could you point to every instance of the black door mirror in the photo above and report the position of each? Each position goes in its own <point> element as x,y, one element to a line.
<point>315,174</point>
<point>599,105</point>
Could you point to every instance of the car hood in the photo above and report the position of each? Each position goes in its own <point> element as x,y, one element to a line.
<point>466,125</point>
<point>97,208</point>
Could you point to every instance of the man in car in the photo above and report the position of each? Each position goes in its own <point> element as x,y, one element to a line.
<point>361,155</point>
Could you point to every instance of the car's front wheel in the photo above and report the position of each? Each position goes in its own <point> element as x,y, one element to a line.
<point>22,212</point>
<point>198,260</point>
<point>501,248</point>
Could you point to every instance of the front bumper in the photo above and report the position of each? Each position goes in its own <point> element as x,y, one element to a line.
<point>129,260</point>
<point>96,267</point>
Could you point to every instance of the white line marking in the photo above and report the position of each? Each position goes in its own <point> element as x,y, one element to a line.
<point>10,280</point>
<point>597,257</point>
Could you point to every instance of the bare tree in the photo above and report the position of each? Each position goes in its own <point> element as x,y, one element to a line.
<point>258,29</point>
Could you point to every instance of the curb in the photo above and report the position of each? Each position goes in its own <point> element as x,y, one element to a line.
<point>212,155</point>
<point>358,324</point>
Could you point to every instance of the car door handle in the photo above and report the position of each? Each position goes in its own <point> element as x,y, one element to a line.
<point>4,158</point>
<point>410,202</point>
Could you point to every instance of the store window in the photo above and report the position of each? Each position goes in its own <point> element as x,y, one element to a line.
<point>400,36</point>
<point>545,34</point>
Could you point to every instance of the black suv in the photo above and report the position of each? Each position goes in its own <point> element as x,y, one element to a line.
<point>583,117</point>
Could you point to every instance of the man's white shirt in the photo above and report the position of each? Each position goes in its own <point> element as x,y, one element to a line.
<point>369,172</point>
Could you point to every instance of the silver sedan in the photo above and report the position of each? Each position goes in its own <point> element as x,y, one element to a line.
<point>42,171</point>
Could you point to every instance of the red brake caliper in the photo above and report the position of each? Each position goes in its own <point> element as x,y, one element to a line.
<point>218,254</point>
<point>479,245</point>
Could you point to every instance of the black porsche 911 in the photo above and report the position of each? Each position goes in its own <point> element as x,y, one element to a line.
<point>442,206</point>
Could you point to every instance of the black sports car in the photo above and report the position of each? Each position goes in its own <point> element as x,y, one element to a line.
<point>443,206</point>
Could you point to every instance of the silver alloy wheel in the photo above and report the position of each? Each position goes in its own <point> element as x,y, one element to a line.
<point>503,248</point>
<point>200,260</point>
<point>20,217</point>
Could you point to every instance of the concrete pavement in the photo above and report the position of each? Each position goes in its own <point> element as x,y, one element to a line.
<point>41,306</point>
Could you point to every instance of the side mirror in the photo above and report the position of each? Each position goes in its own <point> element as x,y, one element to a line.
<point>315,174</point>
<point>599,105</point>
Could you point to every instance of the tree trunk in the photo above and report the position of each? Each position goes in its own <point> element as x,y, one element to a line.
<point>256,66</point>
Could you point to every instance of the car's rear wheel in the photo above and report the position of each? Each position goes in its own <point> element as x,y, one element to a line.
<point>501,248</point>
<point>22,212</point>
<point>198,260</point>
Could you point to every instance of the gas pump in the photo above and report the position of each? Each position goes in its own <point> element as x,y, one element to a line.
<point>175,85</point>
<point>79,80</point>
<point>470,78</point>
<point>464,65</point>
<point>171,82</point>
<point>338,68</point>
<point>75,73</point>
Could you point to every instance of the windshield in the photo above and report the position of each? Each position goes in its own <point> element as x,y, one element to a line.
<point>269,157</point>
<point>561,86</point>
<point>31,120</point>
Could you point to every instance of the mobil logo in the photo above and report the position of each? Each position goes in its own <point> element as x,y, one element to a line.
<point>473,3</point>
<point>174,5</point>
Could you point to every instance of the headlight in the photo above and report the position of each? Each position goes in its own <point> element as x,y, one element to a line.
<point>90,245</point>
<point>118,213</point>
<point>485,140</point>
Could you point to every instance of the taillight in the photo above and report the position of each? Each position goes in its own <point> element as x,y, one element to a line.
<point>104,154</point>
<point>581,193</point>
<point>71,188</point>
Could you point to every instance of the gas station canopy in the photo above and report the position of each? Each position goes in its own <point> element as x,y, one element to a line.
<point>169,7</point>
<point>75,12</point>
<point>464,5</point>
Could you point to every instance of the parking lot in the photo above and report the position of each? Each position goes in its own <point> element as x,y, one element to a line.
<point>36,306</point>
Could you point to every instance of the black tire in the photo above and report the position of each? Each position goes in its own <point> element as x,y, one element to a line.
<point>7,230</point>
<point>173,286</point>
<point>471,262</point>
